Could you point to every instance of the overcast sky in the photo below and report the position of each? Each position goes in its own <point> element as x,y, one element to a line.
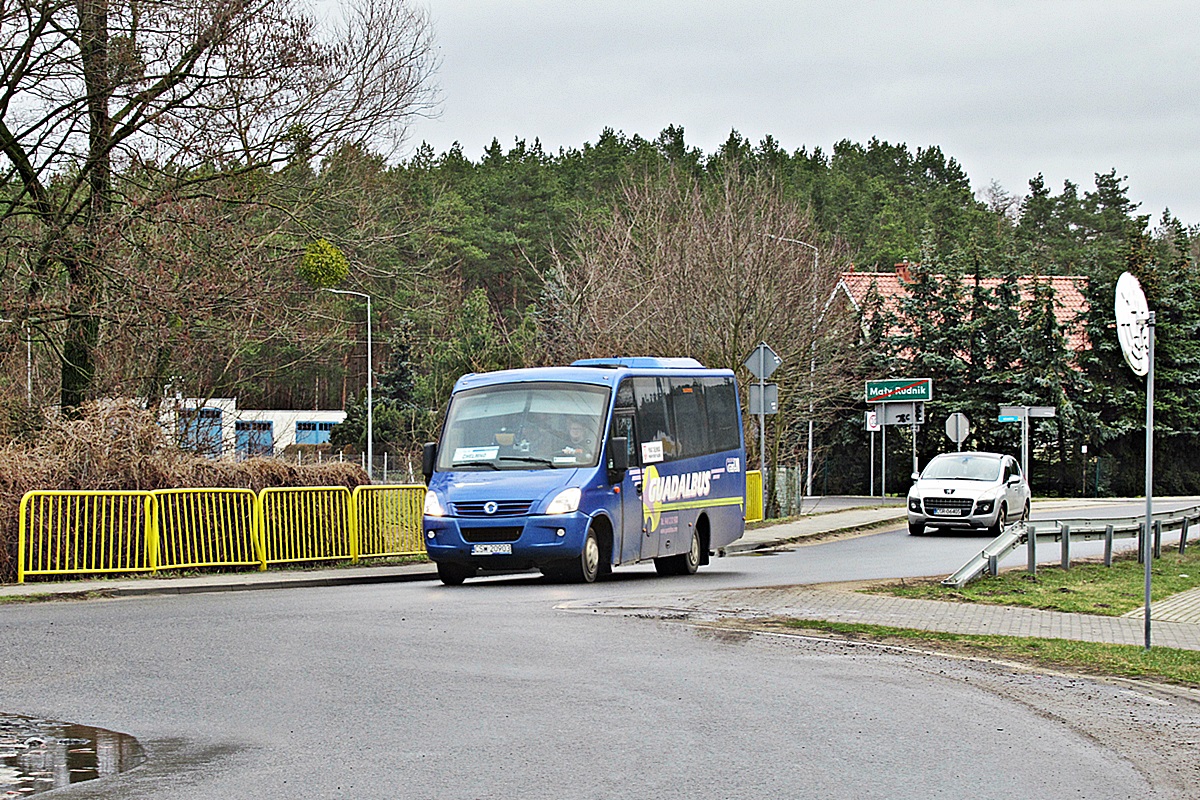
<point>1009,89</point>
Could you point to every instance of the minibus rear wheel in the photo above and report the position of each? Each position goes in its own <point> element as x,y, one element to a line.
<point>684,563</point>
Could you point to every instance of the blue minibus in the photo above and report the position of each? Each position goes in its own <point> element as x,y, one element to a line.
<point>574,470</point>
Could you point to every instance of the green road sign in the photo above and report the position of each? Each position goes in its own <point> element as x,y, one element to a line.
<point>894,390</point>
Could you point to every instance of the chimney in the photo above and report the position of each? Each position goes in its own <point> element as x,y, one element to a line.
<point>902,272</point>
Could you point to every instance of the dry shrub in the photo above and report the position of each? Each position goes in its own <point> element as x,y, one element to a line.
<point>118,446</point>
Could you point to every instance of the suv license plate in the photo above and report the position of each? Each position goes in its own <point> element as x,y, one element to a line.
<point>947,512</point>
<point>491,550</point>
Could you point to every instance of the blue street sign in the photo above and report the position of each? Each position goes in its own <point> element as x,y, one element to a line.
<point>1007,418</point>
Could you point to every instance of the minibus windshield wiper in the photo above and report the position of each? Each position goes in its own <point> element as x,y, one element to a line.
<point>488,464</point>
<point>529,460</point>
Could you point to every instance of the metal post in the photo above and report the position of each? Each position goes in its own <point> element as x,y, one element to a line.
<point>28,365</point>
<point>883,458</point>
<point>1149,464</point>
<point>1066,547</point>
<point>914,439</point>
<point>1108,544</point>
<point>370,400</point>
<point>762,426</point>
<point>1158,538</point>
<point>871,464</point>
<point>812,365</point>
<point>1183,531</point>
<point>1031,549</point>
<point>812,361</point>
<point>1025,446</point>
<point>369,461</point>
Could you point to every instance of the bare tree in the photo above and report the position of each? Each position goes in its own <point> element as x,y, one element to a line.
<point>684,268</point>
<point>109,108</point>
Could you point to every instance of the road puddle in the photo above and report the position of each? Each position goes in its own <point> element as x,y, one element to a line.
<point>37,755</point>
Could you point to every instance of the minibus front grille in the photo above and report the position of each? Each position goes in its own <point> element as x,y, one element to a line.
<point>491,534</point>
<point>504,508</point>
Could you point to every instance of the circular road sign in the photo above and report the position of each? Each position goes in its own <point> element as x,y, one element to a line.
<point>958,427</point>
<point>1132,331</point>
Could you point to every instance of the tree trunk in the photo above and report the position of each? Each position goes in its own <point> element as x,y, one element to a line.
<point>83,325</point>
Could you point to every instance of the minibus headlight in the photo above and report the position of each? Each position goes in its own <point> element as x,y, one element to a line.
<point>433,506</point>
<point>565,501</point>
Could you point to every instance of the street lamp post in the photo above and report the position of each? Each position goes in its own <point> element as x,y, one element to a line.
<point>812,359</point>
<point>370,380</point>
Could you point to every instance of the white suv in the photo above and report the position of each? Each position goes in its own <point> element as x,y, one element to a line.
<point>966,491</point>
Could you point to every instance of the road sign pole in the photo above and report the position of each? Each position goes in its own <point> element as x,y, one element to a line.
<point>914,442</point>
<point>762,429</point>
<point>883,459</point>
<point>871,464</point>
<point>1025,448</point>
<point>1149,469</point>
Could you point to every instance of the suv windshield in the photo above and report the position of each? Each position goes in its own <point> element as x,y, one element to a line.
<point>969,468</point>
<point>524,426</point>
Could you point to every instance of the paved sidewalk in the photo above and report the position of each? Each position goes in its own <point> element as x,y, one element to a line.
<point>841,603</point>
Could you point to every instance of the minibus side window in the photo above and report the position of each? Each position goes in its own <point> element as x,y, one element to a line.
<point>721,404</point>
<point>653,423</point>
<point>690,421</point>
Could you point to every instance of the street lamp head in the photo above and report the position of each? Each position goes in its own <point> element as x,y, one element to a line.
<point>345,291</point>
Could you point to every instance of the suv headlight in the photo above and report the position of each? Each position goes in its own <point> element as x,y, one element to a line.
<point>985,506</point>
<point>914,504</point>
<point>433,506</point>
<point>565,501</point>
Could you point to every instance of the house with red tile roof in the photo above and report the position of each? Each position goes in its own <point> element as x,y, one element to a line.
<point>1069,302</point>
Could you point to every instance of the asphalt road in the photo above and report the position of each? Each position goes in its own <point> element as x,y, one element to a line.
<point>490,691</point>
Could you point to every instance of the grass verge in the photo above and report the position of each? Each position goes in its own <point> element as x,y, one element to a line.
<point>1164,664</point>
<point>1086,588</point>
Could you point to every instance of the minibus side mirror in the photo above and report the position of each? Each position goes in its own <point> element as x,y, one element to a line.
<point>428,457</point>
<point>618,458</point>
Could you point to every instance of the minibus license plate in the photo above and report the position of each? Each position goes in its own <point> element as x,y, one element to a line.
<point>491,550</point>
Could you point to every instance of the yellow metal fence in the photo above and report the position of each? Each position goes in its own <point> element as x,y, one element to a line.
<point>86,532</point>
<point>307,524</point>
<point>70,533</point>
<point>754,496</point>
<point>388,520</point>
<point>207,528</point>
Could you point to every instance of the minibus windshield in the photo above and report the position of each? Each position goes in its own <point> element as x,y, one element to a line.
<point>540,425</point>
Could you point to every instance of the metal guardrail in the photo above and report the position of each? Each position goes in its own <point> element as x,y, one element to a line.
<point>1066,531</point>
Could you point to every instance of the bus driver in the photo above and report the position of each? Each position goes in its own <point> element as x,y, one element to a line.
<point>578,443</point>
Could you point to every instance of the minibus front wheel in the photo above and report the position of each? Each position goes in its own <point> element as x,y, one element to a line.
<point>454,574</point>
<point>583,568</point>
